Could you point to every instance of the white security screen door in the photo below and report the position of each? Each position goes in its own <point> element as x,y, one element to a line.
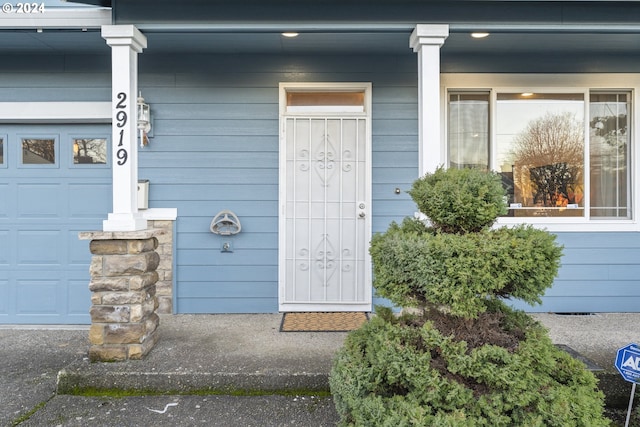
<point>325,203</point>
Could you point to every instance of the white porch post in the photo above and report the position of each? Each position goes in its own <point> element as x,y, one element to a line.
<point>426,40</point>
<point>126,43</point>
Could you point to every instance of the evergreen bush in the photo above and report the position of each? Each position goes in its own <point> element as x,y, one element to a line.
<point>460,200</point>
<point>464,358</point>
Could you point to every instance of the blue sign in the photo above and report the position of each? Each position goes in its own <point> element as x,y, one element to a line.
<point>628,362</point>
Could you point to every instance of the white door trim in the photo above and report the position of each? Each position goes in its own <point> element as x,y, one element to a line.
<point>366,304</point>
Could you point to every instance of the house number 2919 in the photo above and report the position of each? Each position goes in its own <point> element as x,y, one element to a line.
<point>121,121</point>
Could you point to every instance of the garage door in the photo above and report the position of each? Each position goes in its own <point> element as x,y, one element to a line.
<point>55,181</point>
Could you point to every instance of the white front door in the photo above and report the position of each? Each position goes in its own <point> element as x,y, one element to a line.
<point>325,211</point>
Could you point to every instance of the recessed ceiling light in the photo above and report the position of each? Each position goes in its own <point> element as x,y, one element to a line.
<point>290,34</point>
<point>526,94</point>
<point>479,35</point>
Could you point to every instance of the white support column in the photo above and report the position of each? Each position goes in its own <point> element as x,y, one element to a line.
<point>126,43</point>
<point>426,40</point>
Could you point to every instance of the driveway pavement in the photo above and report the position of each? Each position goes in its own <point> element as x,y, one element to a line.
<point>29,364</point>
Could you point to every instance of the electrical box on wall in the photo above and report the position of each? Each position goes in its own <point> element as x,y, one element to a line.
<point>143,194</point>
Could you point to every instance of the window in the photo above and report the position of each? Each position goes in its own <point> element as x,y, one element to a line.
<point>1,151</point>
<point>89,151</point>
<point>37,151</point>
<point>609,143</point>
<point>301,101</point>
<point>469,130</point>
<point>560,153</point>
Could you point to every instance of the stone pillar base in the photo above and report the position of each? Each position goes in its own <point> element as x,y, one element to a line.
<point>123,294</point>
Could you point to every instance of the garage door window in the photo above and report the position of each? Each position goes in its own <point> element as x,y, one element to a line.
<point>39,151</point>
<point>89,151</point>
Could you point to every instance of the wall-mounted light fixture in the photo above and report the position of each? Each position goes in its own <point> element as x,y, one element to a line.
<point>144,120</point>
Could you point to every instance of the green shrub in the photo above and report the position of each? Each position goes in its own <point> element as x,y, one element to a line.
<point>460,200</point>
<point>399,372</point>
<point>413,268</point>
<point>465,359</point>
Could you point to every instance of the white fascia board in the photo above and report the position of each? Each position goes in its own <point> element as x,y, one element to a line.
<point>57,18</point>
<point>55,112</point>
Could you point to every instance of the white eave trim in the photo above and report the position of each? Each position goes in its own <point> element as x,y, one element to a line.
<point>55,112</point>
<point>57,18</point>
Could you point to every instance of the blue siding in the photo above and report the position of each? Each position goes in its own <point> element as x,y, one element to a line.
<point>600,272</point>
<point>215,147</point>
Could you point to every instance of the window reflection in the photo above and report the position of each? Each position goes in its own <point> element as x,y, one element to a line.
<point>38,151</point>
<point>90,151</point>
<point>540,147</point>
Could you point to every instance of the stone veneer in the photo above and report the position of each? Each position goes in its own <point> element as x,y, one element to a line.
<point>164,286</point>
<point>123,293</point>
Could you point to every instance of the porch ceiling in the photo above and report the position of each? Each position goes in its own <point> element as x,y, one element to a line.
<point>395,41</point>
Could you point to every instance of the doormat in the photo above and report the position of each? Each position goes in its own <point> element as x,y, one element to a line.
<point>322,321</point>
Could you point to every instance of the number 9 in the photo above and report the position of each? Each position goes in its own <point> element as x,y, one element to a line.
<point>122,156</point>
<point>121,117</point>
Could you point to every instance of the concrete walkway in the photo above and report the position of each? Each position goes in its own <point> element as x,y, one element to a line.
<point>232,353</point>
<point>241,354</point>
<point>221,353</point>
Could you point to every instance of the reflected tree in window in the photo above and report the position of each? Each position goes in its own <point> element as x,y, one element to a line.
<point>90,150</point>
<point>548,161</point>
<point>38,151</point>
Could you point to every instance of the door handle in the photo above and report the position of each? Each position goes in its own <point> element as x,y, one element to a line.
<point>361,207</point>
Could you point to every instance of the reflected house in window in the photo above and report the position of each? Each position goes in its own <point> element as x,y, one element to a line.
<point>553,185</point>
<point>90,151</point>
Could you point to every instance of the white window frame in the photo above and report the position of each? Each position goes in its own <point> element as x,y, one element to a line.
<point>549,83</point>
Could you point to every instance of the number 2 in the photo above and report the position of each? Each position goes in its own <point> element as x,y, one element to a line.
<point>122,97</point>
